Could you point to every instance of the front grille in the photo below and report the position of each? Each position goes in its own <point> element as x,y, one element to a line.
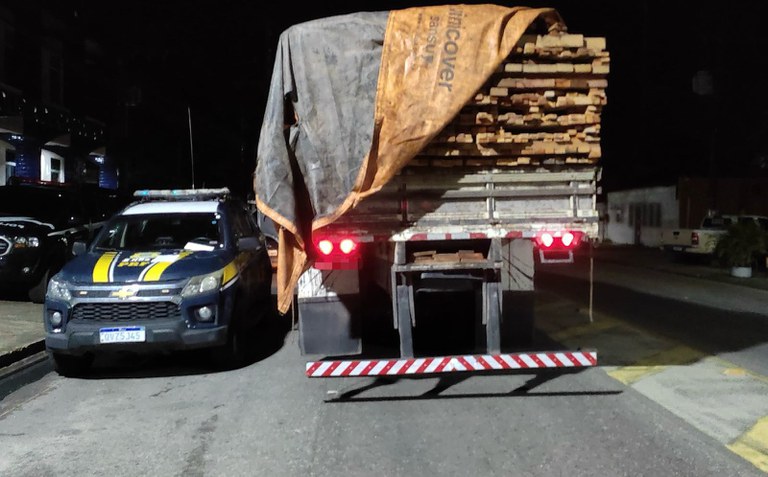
<point>126,311</point>
<point>5,246</point>
<point>141,293</point>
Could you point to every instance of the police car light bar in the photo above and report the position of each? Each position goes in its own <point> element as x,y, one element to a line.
<point>170,194</point>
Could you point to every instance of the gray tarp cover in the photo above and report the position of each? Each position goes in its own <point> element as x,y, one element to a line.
<point>354,97</point>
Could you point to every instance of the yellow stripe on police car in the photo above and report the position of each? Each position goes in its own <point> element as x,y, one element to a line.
<point>102,267</point>
<point>159,265</point>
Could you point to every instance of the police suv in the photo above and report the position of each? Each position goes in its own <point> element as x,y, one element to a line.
<point>177,269</point>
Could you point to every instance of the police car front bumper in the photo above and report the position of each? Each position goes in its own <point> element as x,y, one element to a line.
<point>159,319</point>
<point>80,337</point>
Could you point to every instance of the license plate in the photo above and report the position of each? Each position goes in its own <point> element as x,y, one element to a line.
<point>677,249</point>
<point>124,334</point>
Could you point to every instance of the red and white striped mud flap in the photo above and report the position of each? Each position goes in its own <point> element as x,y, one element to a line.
<point>451,364</point>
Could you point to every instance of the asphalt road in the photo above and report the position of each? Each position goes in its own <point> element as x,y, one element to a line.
<point>716,318</point>
<point>669,398</point>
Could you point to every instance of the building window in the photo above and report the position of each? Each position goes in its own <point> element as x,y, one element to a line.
<point>651,215</point>
<point>56,171</point>
<point>656,215</point>
<point>642,214</point>
<point>51,166</point>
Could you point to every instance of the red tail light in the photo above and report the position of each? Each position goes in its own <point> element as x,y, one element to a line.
<point>336,247</point>
<point>336,253</point>
<point>694,238</point>
<point>325,246</point>
<point>347,246</point>
<point>564,240</point>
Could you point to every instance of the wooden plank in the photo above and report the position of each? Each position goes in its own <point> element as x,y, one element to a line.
<point>595,43</point>
<point>562,41</point>
<point>446,257</point>
<point>513,67</point>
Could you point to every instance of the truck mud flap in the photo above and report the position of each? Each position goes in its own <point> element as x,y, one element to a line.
<point>330,325</point>
<point>451,364</point>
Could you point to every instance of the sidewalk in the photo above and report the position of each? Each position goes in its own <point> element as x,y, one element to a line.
<point>657,259</point>
<point>22,335</point>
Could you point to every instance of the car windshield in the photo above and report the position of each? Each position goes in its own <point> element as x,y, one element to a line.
<point>46,205</point>
<point>198,231</point>
<point>716,222</point>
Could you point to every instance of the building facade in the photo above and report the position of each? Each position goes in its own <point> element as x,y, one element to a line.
<point>637,216</point>
<point>47,128</point>
<point>699,197</point>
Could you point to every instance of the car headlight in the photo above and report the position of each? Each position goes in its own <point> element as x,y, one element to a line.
<point>202,283</point>
<point>24,242</point>
<point>58,290</point>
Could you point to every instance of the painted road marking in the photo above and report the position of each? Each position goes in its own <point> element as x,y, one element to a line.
<point>653,355</point>
<point>753,445</point>
<point>650,365</point>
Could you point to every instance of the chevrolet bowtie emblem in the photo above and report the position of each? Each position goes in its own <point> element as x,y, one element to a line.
<point>125,292</point>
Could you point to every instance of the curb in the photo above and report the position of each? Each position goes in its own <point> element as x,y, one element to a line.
<point>22,357</point>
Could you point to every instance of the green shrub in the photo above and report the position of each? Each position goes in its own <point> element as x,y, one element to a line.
<point>742,244</point>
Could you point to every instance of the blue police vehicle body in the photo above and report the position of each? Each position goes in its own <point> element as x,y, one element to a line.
<point>178,269</point>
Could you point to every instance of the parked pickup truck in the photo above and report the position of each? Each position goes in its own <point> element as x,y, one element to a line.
<point>701,241</point>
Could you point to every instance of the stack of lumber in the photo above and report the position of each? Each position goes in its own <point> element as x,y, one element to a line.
<point>432,256</point>
<point>541,107</point>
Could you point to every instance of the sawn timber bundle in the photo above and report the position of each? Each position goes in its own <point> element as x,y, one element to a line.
<point>543,106</point>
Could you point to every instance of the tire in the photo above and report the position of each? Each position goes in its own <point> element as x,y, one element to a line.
<point>232,354</point>
<point>37,293</point>
<point>71,366</point>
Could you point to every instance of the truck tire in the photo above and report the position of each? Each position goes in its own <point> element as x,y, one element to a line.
<point>70,365</point>
<point>36,294</point>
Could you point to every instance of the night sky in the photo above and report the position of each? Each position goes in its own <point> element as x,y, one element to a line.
<point>215,58</point>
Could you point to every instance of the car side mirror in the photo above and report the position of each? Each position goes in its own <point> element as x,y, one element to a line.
<point>250,244</point>
<point>78,248</point>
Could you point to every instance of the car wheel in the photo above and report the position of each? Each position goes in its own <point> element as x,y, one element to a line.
<point>231,354</point>
<point>37,292</point>
<point>71,366</point>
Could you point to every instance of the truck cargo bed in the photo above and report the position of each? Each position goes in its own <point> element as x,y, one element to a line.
<point>469,200</point>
